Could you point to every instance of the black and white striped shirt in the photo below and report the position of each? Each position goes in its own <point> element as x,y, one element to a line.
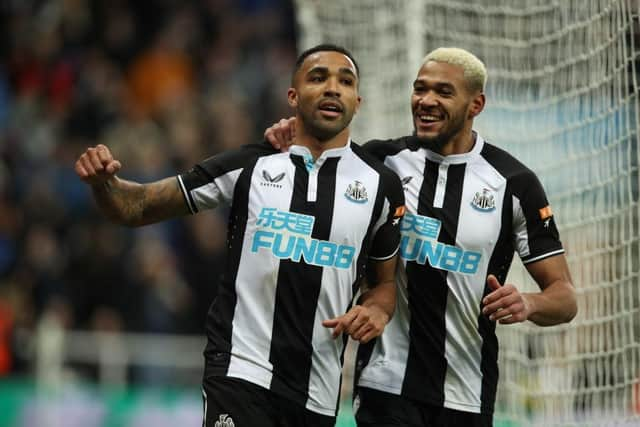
<point>466,216</point>
<point>299,235</point>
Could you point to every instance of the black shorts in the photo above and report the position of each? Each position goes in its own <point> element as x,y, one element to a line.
<point>373,408</point>
<point>235,402</point>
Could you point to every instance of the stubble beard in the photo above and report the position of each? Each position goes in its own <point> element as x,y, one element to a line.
<point>324,130</point>
<point>436,143</point>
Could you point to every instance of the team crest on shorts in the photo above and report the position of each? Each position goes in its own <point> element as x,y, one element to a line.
<point>224,420</point>
<point>356,192</point>
<point>484,202</point>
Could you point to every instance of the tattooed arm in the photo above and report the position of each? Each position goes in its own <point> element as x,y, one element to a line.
<point>126,202</point>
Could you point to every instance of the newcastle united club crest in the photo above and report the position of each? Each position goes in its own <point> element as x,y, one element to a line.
<point>356,192</point>
<point>484,202</point>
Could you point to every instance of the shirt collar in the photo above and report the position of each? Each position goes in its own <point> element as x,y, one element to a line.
<point>303,151</point>
<point>457,158</point>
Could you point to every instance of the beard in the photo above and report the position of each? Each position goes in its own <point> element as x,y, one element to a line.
<point>324,130</point>
<point>433,143</point>
<point>437,142</point>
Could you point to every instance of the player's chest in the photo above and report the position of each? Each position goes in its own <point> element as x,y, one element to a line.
<point>325,202</point>
<point>455,204</point>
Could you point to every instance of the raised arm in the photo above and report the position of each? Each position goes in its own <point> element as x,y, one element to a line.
<point>554,304</point>
<point>367,320</point>
<point>126,202</point>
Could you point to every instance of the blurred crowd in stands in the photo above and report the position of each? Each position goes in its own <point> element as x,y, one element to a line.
<point>163,83</point>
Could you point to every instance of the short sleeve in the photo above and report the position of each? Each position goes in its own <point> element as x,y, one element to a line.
<point>386,239</point>
<point>535,233</point>
<point>212,181</point>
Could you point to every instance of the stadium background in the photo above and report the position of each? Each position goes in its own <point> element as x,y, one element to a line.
<point>103,326</point>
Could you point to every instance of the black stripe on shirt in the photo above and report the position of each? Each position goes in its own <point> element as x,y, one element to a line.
<point>428,291</point>
<point>299,287</point>
<point>425,284</point>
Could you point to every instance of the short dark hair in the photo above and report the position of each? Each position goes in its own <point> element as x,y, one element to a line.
<point>325,47</point>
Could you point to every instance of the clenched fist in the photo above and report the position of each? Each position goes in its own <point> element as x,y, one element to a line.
<point>97,165</point>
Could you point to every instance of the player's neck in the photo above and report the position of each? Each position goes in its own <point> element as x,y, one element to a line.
<point>317,146</point>
<point>461,143</point>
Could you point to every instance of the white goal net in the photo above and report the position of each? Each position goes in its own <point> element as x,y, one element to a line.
<point>562,96</point>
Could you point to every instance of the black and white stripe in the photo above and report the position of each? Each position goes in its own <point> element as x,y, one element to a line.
<point>438,347</point>
<point>265,325</point>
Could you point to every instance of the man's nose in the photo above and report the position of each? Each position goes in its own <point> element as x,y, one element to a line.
<point>428,99</point>
<point>332,88</point>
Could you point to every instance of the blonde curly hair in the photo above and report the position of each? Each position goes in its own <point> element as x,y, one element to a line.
<point>475,71</point>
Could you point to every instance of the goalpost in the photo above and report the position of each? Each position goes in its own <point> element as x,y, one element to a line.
<point>562,97</point>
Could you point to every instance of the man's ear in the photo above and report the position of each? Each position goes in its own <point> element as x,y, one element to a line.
<point>358,104</point>
<point>292,97</point>
<point>477,105</point>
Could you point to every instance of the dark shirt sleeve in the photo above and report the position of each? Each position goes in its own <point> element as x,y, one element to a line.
<point>535,232</point>
<point>386,239</point>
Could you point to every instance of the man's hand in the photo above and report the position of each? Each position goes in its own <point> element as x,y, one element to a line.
<point>361,323</point>
<point>282,134</point>
<point>97,165</point>
<point>505,304</point>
